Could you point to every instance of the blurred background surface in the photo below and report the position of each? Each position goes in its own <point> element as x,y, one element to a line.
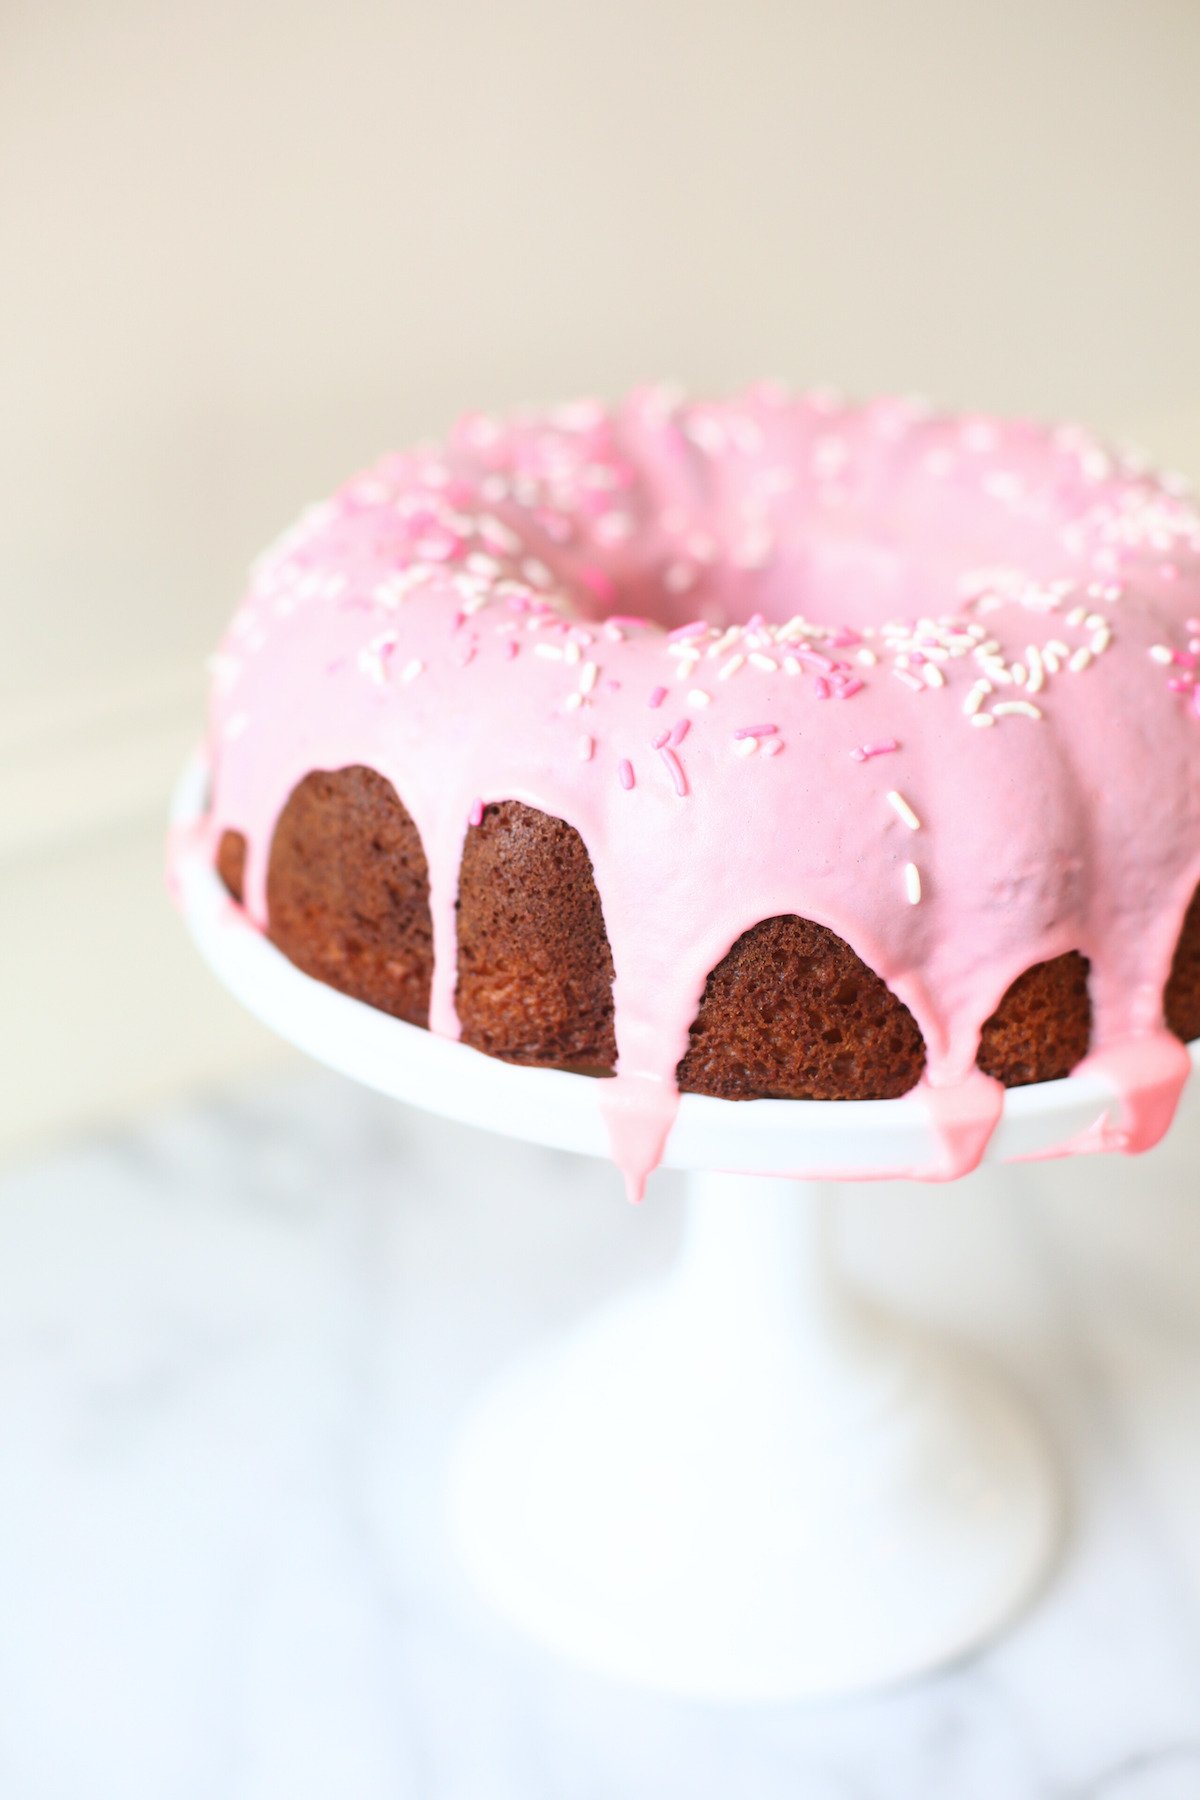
<point>245,247</point>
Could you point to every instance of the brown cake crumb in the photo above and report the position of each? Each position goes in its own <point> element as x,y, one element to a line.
<point>792,1012</point>
<point>1043,1025</point>
<point>534,966</point>
<point>348,891</point>
<point>231,864</point>
<point>1181,1002</point>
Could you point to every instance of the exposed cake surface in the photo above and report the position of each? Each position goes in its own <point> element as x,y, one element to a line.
<point>768,747</point>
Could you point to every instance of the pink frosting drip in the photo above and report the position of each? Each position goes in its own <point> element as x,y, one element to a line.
<point>929,681</point>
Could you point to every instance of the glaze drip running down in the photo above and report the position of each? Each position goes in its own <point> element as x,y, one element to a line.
<point>928,683</point>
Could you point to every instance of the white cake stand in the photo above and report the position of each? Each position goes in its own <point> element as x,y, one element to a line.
<point>740,1482</point>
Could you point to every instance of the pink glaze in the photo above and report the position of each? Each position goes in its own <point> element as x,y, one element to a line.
<point>1002,612</point>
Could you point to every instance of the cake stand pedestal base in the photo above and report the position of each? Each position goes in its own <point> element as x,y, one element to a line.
<point>742,1483</point>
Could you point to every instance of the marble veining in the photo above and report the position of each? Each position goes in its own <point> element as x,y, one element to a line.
<point>234,1346</point>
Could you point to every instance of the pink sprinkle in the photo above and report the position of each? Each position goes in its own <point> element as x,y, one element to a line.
<point>1181,684</point>
<point>660,742</point>
<point>865,752</point>
<point>466,655</point>
<point>818,659</point>
<point>681,633</point>
<point>848,689</point>
<point>679,731</point>
<point>625,773</point>
<point>821,688</point>
<point>475,815</point>
<point>1184,659</point>
<point>586,746</point>
<point>657,696</point>
<point>755,731</point>
<point>612,685</point>
<point>511,649</point>
<point>676,769</point>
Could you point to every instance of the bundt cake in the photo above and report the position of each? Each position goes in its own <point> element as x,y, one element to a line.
<point>768,748</point>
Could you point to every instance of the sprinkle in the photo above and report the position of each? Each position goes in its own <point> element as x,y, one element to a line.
<point>976,698</point>
<point>755,731</point>
<point>902,809</point>
<point>512,649</point>
<point>699,697</point>
<point>821,688</point>
<point>657,696</point>
<point>585,747</point>
<point>766,663</point>
<point>587,677</point>
<point>745,746</point>
<point>932,675</point>
<point>1025,707</point>
<point>675,768</point>
<point>682,633</point>
<point>551,652</point>
<point>1080,660</point>
<point>679,731</point>
<point>912,884</point>
<point>909,681</point>
<point>475,816</point>
<point>1036,678</point>
<point>412,669</point>
<point>983,719</point>
<point>1161,654</point>
<point>865,752</point>
<point>846,690</point>
<point>731,667</point>
<point>625,773</point>
<point>772,746</point>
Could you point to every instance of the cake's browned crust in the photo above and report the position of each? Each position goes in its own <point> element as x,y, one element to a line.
<point>231,864</point>
<point>1043,1025</point>
<point>793,1013</point>
<point>1181,1001</point>
<point>348,891</point>
<point>534,967</point>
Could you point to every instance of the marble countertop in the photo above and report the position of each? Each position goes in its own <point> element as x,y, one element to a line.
<point>207,1323</point>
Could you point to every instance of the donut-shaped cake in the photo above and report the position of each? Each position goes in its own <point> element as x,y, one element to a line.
<point>766,748</point>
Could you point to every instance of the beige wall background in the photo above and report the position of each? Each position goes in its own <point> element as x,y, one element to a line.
<point>245,246</point>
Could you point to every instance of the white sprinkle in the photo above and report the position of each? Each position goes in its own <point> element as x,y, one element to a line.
<point>587,677</point>
<point>731,667</point>
<point>910,681</point>
<point>900,806</point>
<point>932,676</point>
<point>1036,678</point>
<point>412,669</point>
<point>571,651</point>
<point>866,657</point>
<point>983,718</point>
<point>1161,654</point>
<point>1077,615</point>
<point>792,665</point>
<point>1100,641</point>
<point>1018,674</point>
<point>1080,660</point>
<point>976,698</point>
<point>573,701</point>
<point>772,746</point>
<point>766,663</point>
<point>699,697</point>
<point>551,652</point>
<point>1025,707</point>
<point>912,884</point>
<point>745,746</point>
<point>586,746</point>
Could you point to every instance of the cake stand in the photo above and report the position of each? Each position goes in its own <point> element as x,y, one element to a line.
<point>739,1482</point>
